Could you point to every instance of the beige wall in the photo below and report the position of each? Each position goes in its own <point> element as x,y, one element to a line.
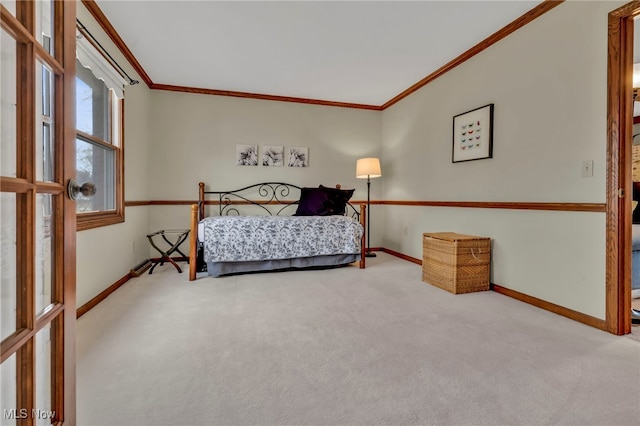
<point>548,82</point>
<point>194,139</point>
<point>104,255</point>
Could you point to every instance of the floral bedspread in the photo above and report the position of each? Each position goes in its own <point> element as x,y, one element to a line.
<point>250,238</point>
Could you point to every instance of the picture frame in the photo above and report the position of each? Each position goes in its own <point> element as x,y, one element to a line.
<point>272,156</point>
<point>246,155</point>
<point>298,156</point>
<point>473,135</point>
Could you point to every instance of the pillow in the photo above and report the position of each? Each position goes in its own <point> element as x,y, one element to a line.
<point>339,197</point>
<point>314,202</point>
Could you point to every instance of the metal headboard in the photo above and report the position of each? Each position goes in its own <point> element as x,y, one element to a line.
<point>272,198</point>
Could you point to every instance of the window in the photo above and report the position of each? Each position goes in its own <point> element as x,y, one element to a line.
<point>99,137</point>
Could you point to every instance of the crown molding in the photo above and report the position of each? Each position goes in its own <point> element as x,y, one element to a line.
<point>265,97</point>
<point>523,20</point>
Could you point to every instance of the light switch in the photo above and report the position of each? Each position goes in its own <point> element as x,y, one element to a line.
<point>587,168</point>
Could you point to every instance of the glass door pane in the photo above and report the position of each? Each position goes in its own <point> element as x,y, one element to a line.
<point>8,388</point>
<point>44,24</point>
<point>8,106</point>
<point>44,251</point>
<point>8,279</point>
<point>44,127</point>
<point>43,412</point>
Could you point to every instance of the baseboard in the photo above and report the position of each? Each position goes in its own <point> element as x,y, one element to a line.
<point>103,295</point>
<point>402,256</point>
<point>552,307</point>
<point>539,303</point>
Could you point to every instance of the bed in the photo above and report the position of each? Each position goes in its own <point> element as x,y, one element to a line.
<point>275,226</point>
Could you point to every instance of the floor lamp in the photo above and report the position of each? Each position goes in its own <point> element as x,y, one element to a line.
<point>368,168</point>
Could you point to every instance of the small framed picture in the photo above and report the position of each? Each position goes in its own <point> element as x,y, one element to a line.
<point>246,155</point>
<point>473,134</point>
<point>272,156</point>
<point>298,156</point>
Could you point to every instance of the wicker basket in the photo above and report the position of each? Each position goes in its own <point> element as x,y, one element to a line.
<point>457,263</point>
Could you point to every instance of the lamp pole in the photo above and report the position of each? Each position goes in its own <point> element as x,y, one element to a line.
<point>369,252</point>
<point>367,168</point>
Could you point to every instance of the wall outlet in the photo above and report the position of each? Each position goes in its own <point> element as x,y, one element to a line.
<point>587,168</point>
<point>133,246</point>
<point>405,230</point>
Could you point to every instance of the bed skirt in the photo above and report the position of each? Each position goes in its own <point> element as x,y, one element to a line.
<point>216,269</point>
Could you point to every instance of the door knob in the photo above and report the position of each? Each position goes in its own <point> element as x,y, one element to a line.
<point>74,190</point>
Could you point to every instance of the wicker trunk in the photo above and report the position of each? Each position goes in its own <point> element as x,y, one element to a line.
<point>457,263</point>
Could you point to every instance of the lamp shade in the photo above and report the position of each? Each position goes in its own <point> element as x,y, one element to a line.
<point>368,168</point>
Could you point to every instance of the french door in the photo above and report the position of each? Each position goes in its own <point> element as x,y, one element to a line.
<point>37,219</point>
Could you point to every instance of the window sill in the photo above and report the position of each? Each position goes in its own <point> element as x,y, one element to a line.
<point>86,221</point>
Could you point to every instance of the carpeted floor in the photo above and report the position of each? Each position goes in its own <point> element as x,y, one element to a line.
<point>343,346</point>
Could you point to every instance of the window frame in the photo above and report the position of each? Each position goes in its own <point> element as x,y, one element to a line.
<point>91,220</point>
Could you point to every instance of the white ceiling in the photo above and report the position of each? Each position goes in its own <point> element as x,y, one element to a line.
<point>364,52</point>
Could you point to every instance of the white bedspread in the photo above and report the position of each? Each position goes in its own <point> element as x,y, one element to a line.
<point>250,238</point>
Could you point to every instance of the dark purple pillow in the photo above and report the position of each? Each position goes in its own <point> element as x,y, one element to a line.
<point>314,202</point>
<point>339,198</point>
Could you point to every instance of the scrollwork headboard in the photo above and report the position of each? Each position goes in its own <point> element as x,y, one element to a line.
<point>266,198</point>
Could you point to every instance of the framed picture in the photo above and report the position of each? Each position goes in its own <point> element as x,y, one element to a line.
<point>272,156</point>
<point>246,155</point>
<point>473,134</point>
<point>298,156</point>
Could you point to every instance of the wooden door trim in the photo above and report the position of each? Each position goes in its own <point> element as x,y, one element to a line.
<point>60,315</point>
<point>66,325</point>
<point>619,131</point>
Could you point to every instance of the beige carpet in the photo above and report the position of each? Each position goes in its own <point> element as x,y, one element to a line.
<point>344,346</point>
